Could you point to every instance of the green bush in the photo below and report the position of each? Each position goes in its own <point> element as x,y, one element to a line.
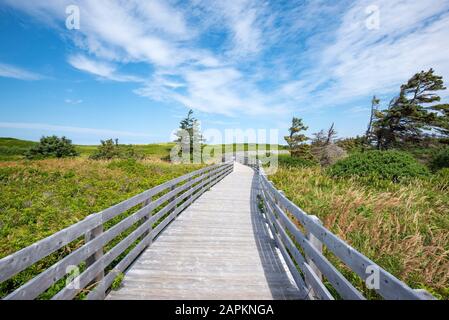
<point>109,150</point>
<point>52,147</point>
<point>441,179</point>
<point>388,165</point>
<point>441,160</point>
<point>289,161</point>
<point>352,145</point>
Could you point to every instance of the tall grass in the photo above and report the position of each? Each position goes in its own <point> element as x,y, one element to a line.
<point>402,227</point>
<point>38,198</point>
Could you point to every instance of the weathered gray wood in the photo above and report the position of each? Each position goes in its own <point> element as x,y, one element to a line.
<point>338,281</point>
<point>15,263</point>
<point>310,278</point>
<point>113,211</point>
<point>121,267</point>
<point>103,285</point>
<point>216,249</point>
<point>44,280</point>
<point>318,245</point>
<point>92,234</point>
<point>147,217</point>
<point>69,292</point>
<point>296,276</point>
<point>390,287</point>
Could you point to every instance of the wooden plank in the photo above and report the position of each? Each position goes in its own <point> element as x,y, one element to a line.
<point>119,208</point>
<point>43,281</point>
<point>338,281</point>
<point>19,261</point>
<point>294,272</point>
<point>95,294</point>
<point>74,287</point>
<point>186,258</point>
<point>318,245</point>
<point>91,235</point>
<point>390,286</point>
<point>310,277</point>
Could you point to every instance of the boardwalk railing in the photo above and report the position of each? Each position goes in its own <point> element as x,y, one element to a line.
<point>303,247</point>
<point>134,233</point>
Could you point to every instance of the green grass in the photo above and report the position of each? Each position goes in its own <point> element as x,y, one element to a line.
<point>39,198</point>
<point>13,149</point>
<point>404,227</point>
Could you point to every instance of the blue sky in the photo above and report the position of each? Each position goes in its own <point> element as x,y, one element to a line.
<point>134,68</point>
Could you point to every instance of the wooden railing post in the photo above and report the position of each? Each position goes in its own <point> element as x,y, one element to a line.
<point>89,236</point>
<point>172,199</point>
<point>318,245</point>
<point>146,218</point>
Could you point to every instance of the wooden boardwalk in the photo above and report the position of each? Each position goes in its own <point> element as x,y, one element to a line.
<point>218,248</point>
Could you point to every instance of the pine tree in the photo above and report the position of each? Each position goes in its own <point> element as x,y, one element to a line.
<point>296,139</point>
<point>413,114</point>
<point>189,136</point>
<point>369,131</point>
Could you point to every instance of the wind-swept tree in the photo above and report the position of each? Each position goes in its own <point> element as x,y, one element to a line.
<point>189,135</point>
<point>414,114</point>
<point>369,131</point>
<point>296,139</point>
<point>324,149</point>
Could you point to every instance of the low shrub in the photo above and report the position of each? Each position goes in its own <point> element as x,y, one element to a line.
<point>52,147</point>
<point>441,179</point>
<point>352,145</point>
<point>109,150</point>
<point>328,154</point>
<point>289,161</point>
<point>440,160</point>
<point>389,165</point>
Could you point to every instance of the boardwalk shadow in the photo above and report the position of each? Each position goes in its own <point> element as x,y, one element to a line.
<point>278,280</point>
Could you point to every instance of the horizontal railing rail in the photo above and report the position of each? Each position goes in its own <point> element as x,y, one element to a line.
<point>159,206</point>
<point>302,249</point>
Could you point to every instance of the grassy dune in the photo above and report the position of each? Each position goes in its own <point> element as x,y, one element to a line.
<point>13,149</point>
<point>38,198</point>
<point>402,227</point>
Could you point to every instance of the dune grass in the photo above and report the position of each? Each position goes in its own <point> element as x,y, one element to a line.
<point>39,198</point>
<point>402,227</point>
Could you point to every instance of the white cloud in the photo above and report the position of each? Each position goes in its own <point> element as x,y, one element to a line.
<point>101,69</point>
<point>70,101</point>
<point>312,53</point>
<point>362,62</point>
<point>67,129</point>
<point>9,71</point>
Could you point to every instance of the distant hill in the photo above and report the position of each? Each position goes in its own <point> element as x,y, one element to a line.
<point>13,142</point>
<point>14,149</point>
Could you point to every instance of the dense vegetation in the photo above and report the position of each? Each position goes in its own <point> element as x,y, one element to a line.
<point>52,147</point>
<point>14,149</point>
<point>38,198</point>
<point>389,165</point>
<point>387,194</point>
<point>109,150</point>
<point>404,227</point>
<point>440,160</point>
